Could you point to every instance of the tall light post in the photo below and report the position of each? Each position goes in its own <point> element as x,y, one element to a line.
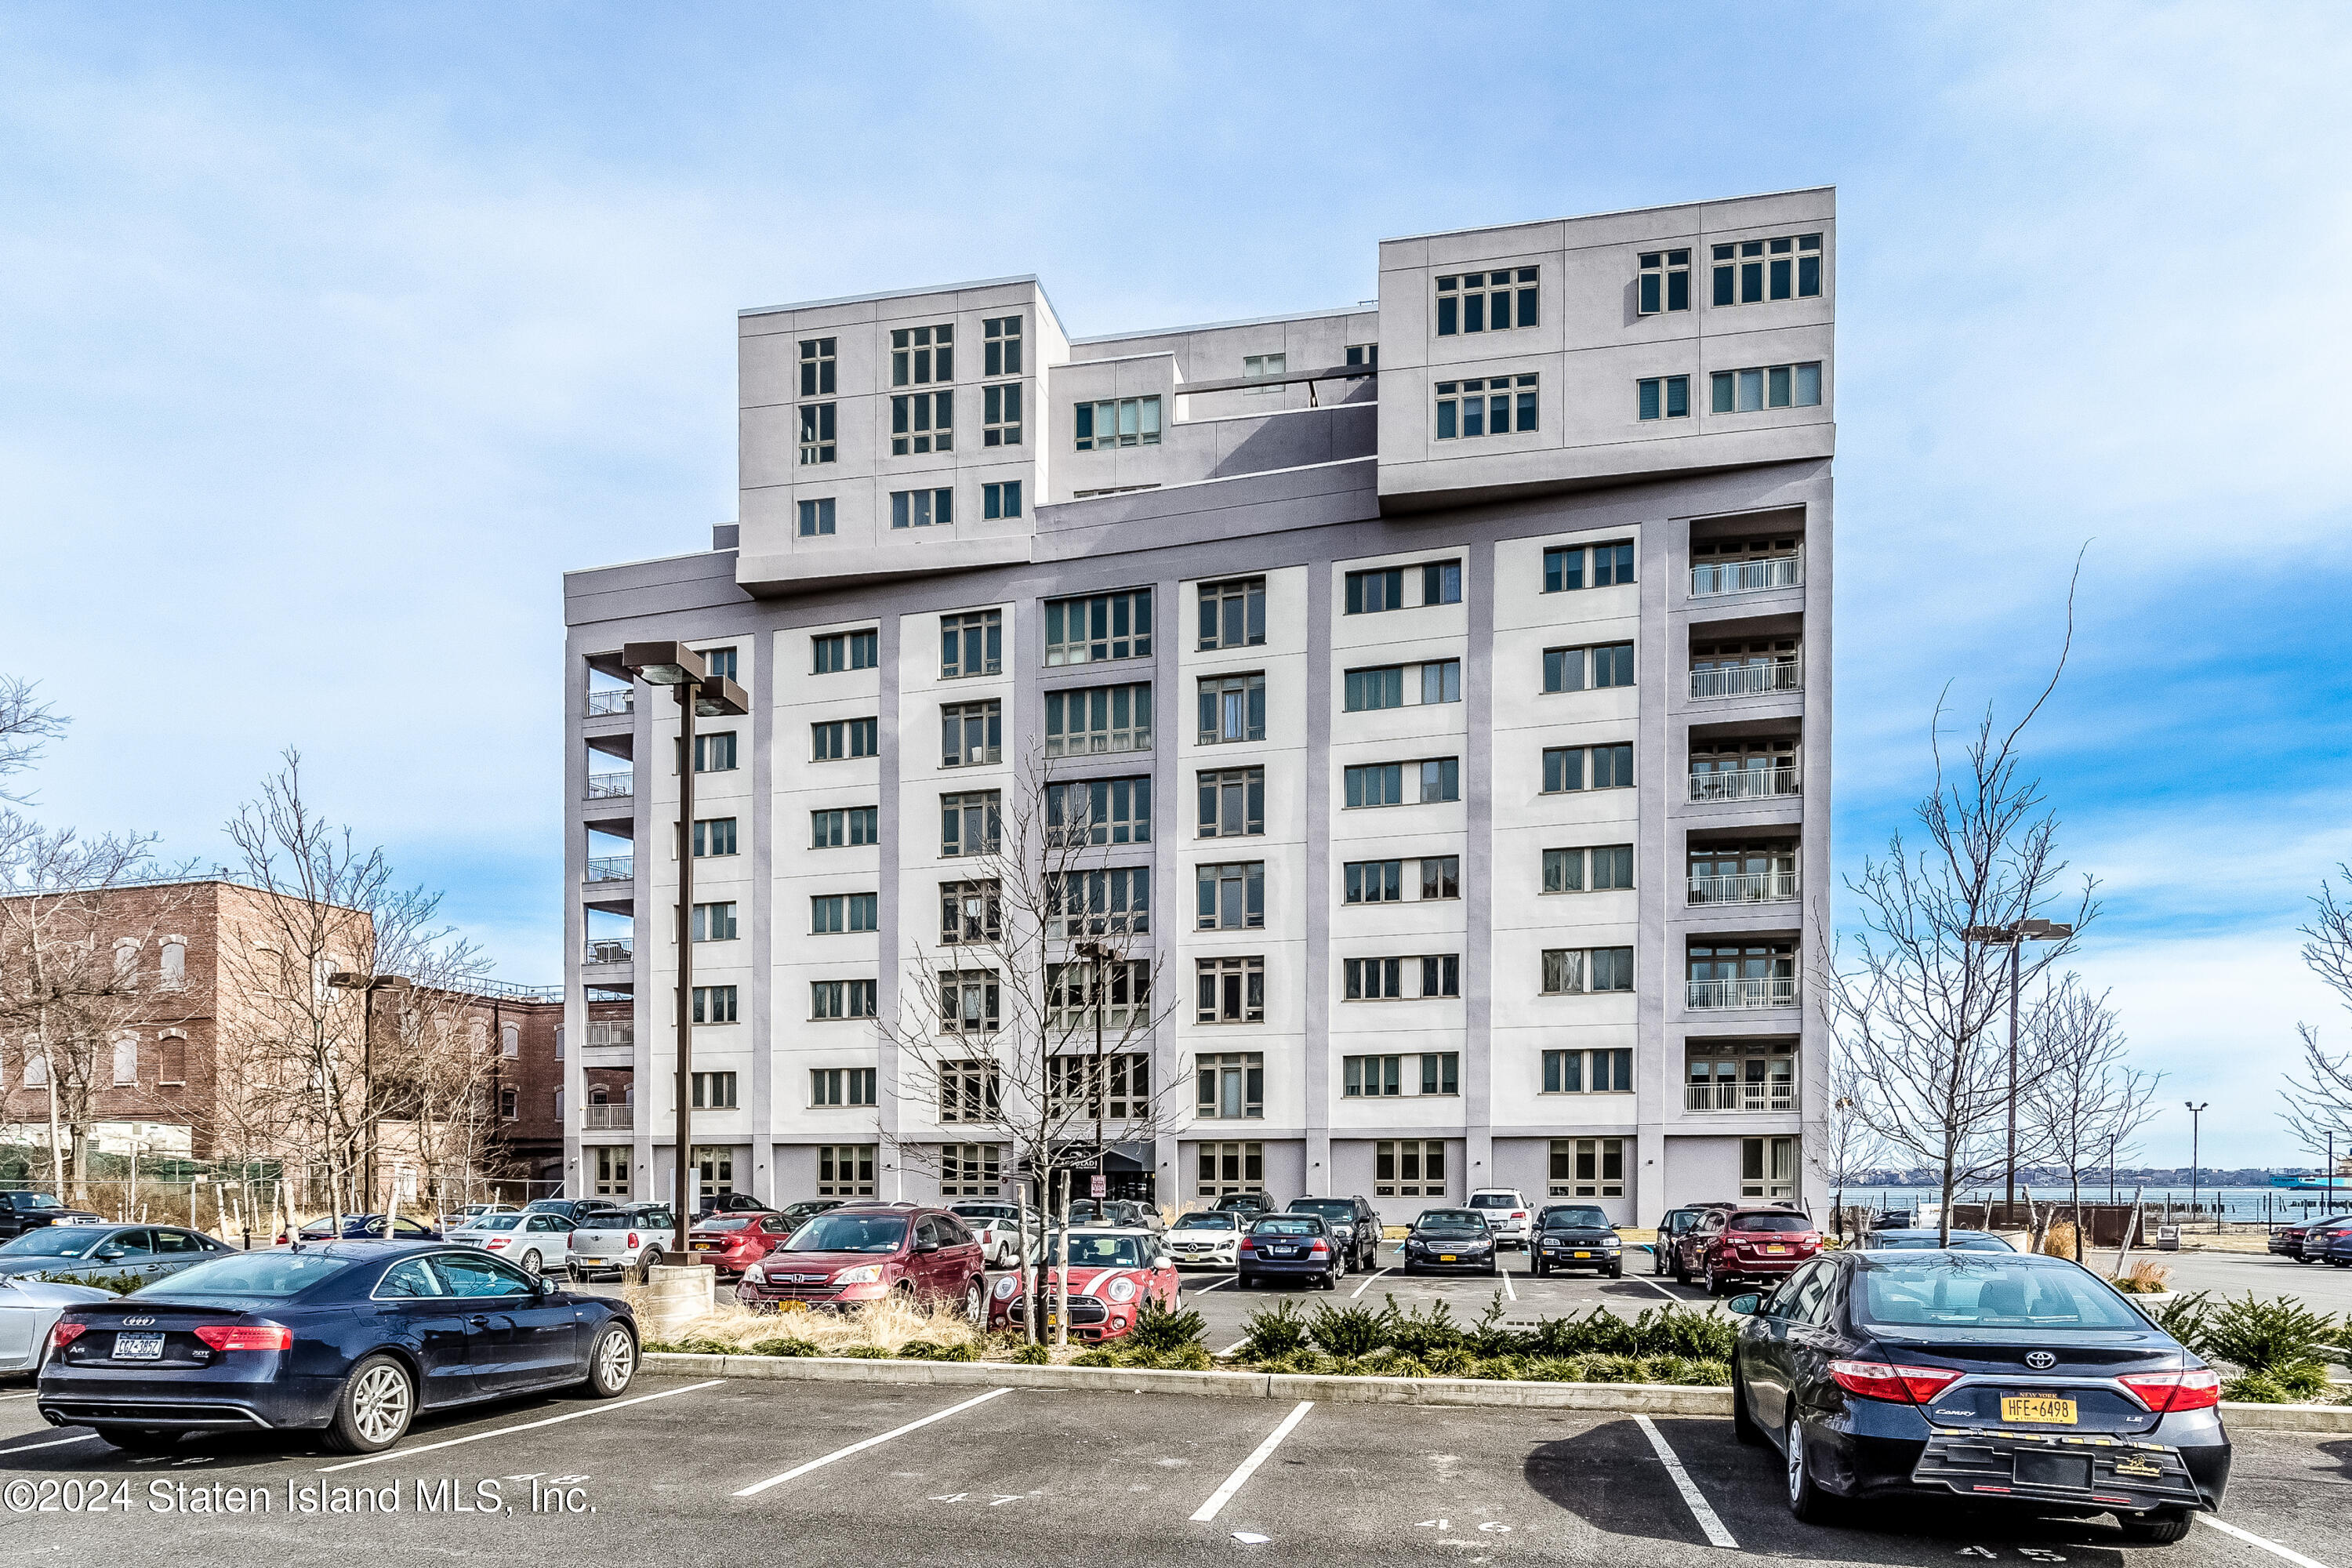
<point>2196,1118</point>
<point>1099,954</point>
<point>699,694</point>
<point>2014,937</point>
<point>367,986</point>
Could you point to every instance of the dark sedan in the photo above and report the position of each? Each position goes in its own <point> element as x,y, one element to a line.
<point>143,1252</point>
<point>1929,1240</point>
<point>1999,1378</point>
<point>362,1227</point>
<point>1576,1236</point>
<point>1443,1239</point>
<point>1288,1246</point>
<point>2321,1234</point>
<point>355,1337</point>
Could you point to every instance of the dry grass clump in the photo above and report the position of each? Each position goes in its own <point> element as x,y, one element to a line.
<point>2059,1241</point>
<point>883,1327</point>
<point>2145,1277</point>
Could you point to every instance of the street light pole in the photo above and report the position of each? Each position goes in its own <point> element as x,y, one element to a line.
<point>1096,953</point>
<point>367,986</point>
<point>2196,1119</point>
<point>2014,937</point>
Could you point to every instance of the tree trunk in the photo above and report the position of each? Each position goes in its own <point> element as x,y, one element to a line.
<point>1062,1272</point>
<point>1021,1267</point>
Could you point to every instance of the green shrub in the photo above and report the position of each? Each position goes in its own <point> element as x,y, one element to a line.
<point>1450,1360</point>
<point>1488,1337</point>
<point>965,1352</point>
<point>1193,1357</point>
<point>1498,1368</point>
<point>1273,1332</point>
<point>2270,1336</point>
<point>782,1344</point>
<point>919,1349</point>
<point>2189,1319</point>
<point>2256,1388</point>
<point>1398,1365</point>
<point>1156,1328</point>
<point>866,1352</point>
<point>1032,1355</point>
<point>1616,1369</point>
<point>1553,1368</point>
<point>1422,1336</point>
<point>1678,1331</point>
<point>1353,1330</point>
<point>1095,1357</point>
<point>1598,1331</point>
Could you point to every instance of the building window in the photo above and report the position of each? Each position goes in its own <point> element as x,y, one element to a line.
<point>1232,803</point>
<point>714,1091</point>
<point>1441,583</point>
<point>1564,767</point>
<point>1587,1168</point>
<point>843,1170</point>
<point>1496,301</point>
<point>969,1005</point>
<point>1116,1085</point>
<point>841,999</point>
<point>971,644</point>
<point>841,740</point>
<point>1090,721</point>
<point>613,1171</point>
<point>1374,882</point>
<point>970,912</point>
<point>1227,1168</point>
<point>1484,407</point>
<point>1233,707</point>
<point>126,1062</point>
<point>841,1086</point>
<point>842,651</point>
<point>816,517</point>
<point>1098,811</point>
<point>1232,1086</point>
<point>720,661</point>
<point>1768,1167</point>
<point>970,822</point>
<point>920,355</point>
<point>817,442</point>
<point>921,508</point>
<point>1740,1075</point>
<point>1125,993</point>
<point>971,733</point>
<point>840,830</point>
<point>1000,426</point>
<point>714,922</point>
<point>833,914</point>
<point>714,836</point>
<point>172,1060</point>
<point>1124,422</point>
<point>1441,974</point>
<point>969,1171</point>
<point>1410,1168</point>
<point>1766,386</point>
<point>1606,868</point>
<point>1749,271</point>
<point>922,422</point>
<point>1609,664</point>
<point>715,752</point>
<point>1744,565</point>
<point>1564,566</point>
<point>1372,1078</point>
<point>1588,1072</point>
<point>1662,397</point>
<point>1370,593</point>
<point>1754,666</point>
<point>816,367</point>
<point>1366,354</point>
<point>1404,784</point>
<point>1370,689</point>
<point>714,1004</point>
<point>967,1089</point>
<point>1101,626</point>
<point>174,963</point>
<point>1742,873</point>
<point>1000,346</point>
<point>1232,989</point>
<point>1745,770</point>
<point>1000,500</point>
<point>1664,281</point>
<point>1232,612</point>
<point>1115,901</point>
<point>1440,1072</point>
<point>1569,971</point>
<point>1233,896</point>
<point>509,1103</point>
<point>1257,366</point>
<point>1375,979</point>
<point>1742,975</point>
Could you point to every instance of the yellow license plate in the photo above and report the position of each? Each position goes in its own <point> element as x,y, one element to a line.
<point>1446,1257</point>
<point>1584,1255</point>
<point>1782,1251</point>
<point>1053,1320</point>
<point>792,1306</point>
<point>2037,1408</point>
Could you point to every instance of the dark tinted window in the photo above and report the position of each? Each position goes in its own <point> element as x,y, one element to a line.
<point>1288,1224</point>
<point>1776,1223</point>
<point>272,1274</point>
<point>483,1275</point>
<point>406,1279</point>
<point>1976,1289</point>
<point>1105,1252</point>
<point>1330,1208</point>
<point>177,1243</point>
<point>1575,1219</point>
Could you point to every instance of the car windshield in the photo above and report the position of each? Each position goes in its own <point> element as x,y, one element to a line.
<point>279,1274</point>
<point>1777,1224</point>
<point>1330,1208</point>
<point>850,1233</point>
<point>54,1241</point>
<point>1575,1219</point>
<point>1925,1241</point>
<point>1496,1201</point>
<point>1105,1252</point>
<point>1450,1222</point>
<point>1288,1224</point>
<point>497,1222</point>
<point>549,1206</point>
<point>1218,1221</point>
<point>1975,1290</point>
<point>37,1201</point>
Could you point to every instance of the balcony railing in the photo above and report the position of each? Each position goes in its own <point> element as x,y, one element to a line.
<point>606,704</point>
<point>1711,578</point>
<point>605,786</point>
<point>610,950</point>
<point>611,1032</point>
<point>607,1118</point>
<point>1747,680</point>
<point>1744,784</point>
<point>1715,995</point>
<point>611,869</point>
<point>1744,888</point>
<point>1729,1094</point>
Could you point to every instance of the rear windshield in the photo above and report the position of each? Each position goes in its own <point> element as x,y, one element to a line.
<point>1217,1221</point>
<point>1105,1252</point>
<point>1330,1208</point>
<point>1926,1242</point>
<point>54,1241</point>
<point>498,1222</point>
<point>850,1233</point>
<point>1978,1291</point>
<point>1494,1201</point>
<point>735,1222</point>
<point>1288,1224</point>
<point>1770,1222</point>
<point>615,1219</point>
<point>1576,1219</point>
<point>279,1274</point>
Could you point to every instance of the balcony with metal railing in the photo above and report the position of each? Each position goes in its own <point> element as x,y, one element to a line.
<point>607,1118</point>
<point>611,1032</point>
<point>1742,995</point>
<point>611,704</point>
<point>1744,888</point>
<point>1734,1094</point>
<point>1712,579</point>
<point>1745,784</point>
<point>611,869</point>
<point>608,950</point>
<point>612,785</point>
<point>1763,678</point>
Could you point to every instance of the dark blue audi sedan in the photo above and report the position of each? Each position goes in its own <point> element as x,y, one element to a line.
<point>353,1337</point>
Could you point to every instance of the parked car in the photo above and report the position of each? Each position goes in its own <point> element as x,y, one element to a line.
<point>573,1209</point>
<point>1752,1243</point>
<point>1115,1214</point>
<point>29,1309</point>
<point>1247,1202</point>
<point>354,1338</point>
<point>1576,1236</point>
<point>148,1252</point>
<point>1112,1272</point>
<point>464,1219</point>
<point>1207,1239</point>
<point>2320,1235</point>
<point>1915,1240</point>
<point>1449,1239</point>
<point>864,1252</point>
<point>1670,1228</point>
<point>1288,1246</point>
<point>731,1243</point>
<point>362,1227</point>
<point>800,1213</point>
<point>998,1227</point>
<point>1508,1214</point>
<point>2287,1241</point>
<point>1949,1374</point>
<point>1355,1227</point>
<point>2339,1251</point>
<point>478,1230</point>
<point>731,1203</point>
<point>536,1243</point>
<point>21,1212</point>
<point>625,1242</point>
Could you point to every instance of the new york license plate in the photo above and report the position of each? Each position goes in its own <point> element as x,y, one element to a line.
<point>139,1347</point>
<point>1779,1252</point>
<point>2040,1409</point>
<point>1584,1255</point>
<point>1445,1258</point>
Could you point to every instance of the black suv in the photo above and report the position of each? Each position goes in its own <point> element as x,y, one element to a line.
<point>21,1212</point>
<point>1575,1236</point>
<point>1247,1202</point>
<point>731,1203</point>
<point>1355,1227</point>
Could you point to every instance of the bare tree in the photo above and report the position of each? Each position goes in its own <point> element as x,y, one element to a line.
<point>2083,1099</point>
<point>1031,1020</point>
<point>25,725</point>
<point>2318,1096</point>
<point>1849,1147</point>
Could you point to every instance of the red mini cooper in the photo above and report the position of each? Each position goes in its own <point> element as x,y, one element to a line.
<point>1112,1274</point>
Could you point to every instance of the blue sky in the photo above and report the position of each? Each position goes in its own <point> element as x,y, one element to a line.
<point>331,335</point>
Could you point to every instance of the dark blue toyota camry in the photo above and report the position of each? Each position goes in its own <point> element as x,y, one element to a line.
<point>355,1337</point>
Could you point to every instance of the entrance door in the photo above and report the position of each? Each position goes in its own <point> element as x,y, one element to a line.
<point>613,1171</point>
<point>715,1169</point>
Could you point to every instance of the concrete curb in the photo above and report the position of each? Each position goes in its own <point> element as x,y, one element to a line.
<point>1646,1398</point>
<point>2247,1417</point>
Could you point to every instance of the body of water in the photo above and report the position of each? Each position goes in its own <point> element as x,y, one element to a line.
<point>2230,1202</point>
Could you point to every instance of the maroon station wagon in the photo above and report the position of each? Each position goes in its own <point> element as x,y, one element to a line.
<point>864,1252</point>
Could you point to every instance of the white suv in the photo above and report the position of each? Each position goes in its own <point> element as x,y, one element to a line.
<point>1508,1214</point>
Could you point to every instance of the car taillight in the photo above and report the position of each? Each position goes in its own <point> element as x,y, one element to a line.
<point>1518,1214</point>
<point>1248,1246</point>
<point>497,1242</point>
<point>1903,1384</point>
<point>633,1241</point>
<point>1318,1250</point>
<point>65,1334</point>
<point>231,1337</point>
<point>2165,1391</point>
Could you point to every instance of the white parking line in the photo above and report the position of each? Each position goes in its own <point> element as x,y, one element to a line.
<point>758,1488</point>
<point>1225,1494</point>
<point>526,1426</point>
<point>5,1398</point>
<point>57,1443</point>
<point>1507,1290</point>
<point>1365,1286</point>
<point>1708,1523</point>
<point>1233,1347</point>
<point>1226,1280</point>
<point>1661,1289</point>
<point>2251,1539</point>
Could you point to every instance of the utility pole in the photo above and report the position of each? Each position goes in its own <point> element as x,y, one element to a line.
<point>2196,1114</point>
<point>2014,937</point>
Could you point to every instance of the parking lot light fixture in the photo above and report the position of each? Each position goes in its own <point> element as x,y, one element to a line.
<point>2014,937</point>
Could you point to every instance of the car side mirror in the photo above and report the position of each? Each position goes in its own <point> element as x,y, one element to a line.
<point>109,1254</point>
<point>1163,1260</point>
<point>926,1247</point>
<point>1744,1306</point>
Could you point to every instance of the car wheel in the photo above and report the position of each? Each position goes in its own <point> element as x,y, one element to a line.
<point>1617,1269</point>
<point>1806,1499</point>
<point>975,1305</point>
<point>1536,1267</point>
<point>530,1262</point>
<point>2156,1528</point>
<point>1713,1281</point>
<point>1743,1424</point>
<point>373,1410</point>
<point>138,1439</point>
<point>612,1364</point>
<point>1682,1274</point>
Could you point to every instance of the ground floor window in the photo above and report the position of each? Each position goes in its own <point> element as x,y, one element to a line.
<point>1227,1168</point>
<point>715,1168</point>
<point>845,1170</point>
<point>1588,1167</point>
<point>1768,1167</point>
<point>612,1171</point>
<point>969,1171</point>
<point>1412,1168</point>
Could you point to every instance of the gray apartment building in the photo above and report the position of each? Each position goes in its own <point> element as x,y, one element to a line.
<point>1448,674</point>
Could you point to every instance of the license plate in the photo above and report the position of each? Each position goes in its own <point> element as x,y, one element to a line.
<point>2039,1409</point>
<point>1584,1255</point>
<point>139,1347</point>
<point>1777,1251</point>
<point>792,1306</point>
<point>1053,1320</point>
<point>705,1246</point>
<point>1446,1257</point>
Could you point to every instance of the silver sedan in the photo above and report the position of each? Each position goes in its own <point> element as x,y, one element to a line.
<point>28,1310</point>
